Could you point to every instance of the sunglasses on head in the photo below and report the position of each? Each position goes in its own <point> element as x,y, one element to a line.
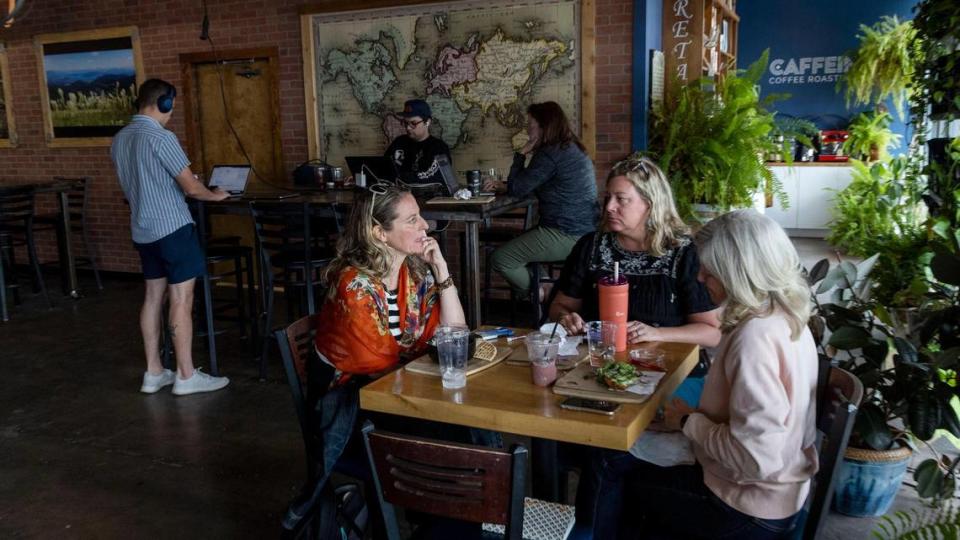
<point>377,189</point>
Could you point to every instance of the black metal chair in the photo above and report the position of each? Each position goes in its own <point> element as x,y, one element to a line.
<point>289,256</point>
<point>473,484</point>
<point>77,203</point>
<point>839,395</point>
<point>16,230</point>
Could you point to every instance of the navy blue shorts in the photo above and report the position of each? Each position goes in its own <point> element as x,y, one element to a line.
<point>177,256</point>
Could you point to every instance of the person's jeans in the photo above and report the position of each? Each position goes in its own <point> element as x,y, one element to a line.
<point>539,244</point>
<point>621,495</point>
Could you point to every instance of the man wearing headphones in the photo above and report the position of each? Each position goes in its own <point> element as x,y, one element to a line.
<point>155,176</point>
<point>415,154</point>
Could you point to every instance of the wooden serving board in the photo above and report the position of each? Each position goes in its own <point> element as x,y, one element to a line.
<point>582,382</point>
<point>426,366</point>
<point>484,199</point>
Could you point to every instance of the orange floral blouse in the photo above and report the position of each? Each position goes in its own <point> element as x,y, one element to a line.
<point>353,332</point>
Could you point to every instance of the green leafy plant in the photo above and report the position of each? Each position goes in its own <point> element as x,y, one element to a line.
<point>881,211</point>
<point>870,137</point>
<point>917,524</point>
<point>883,64</point>
<point>709,138</point>
<point>907,360</point>
<point>789,131</point>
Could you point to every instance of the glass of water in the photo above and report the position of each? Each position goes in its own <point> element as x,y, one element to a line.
<point>453,342</point>
<point>601,342</point>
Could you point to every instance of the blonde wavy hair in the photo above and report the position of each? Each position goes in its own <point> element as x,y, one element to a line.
<point>758,267</point>
<point>664,226</point>
<point>359,247</point>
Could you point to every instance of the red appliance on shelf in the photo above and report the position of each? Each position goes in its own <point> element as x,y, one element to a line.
<point>831,145</point>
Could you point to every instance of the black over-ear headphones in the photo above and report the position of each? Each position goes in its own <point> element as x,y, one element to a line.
<point>165,102</point>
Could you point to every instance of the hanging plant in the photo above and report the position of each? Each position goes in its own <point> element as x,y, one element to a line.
<point>883,65</point>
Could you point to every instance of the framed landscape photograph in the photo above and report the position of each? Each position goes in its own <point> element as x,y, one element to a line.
<point>8,129</point>
<point>88,84</point>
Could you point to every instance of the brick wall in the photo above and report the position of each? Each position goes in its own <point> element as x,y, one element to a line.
<point>169,28</point>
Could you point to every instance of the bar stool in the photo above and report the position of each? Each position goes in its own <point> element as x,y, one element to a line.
<point>77,199</point>
<point>290,256</point>
<point>240,260</point>
<point>16,230</point>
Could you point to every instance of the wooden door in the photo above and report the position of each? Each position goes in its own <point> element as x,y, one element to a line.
<point>242,86</point>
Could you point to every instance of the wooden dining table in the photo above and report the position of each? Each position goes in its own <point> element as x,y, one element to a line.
<point>503,398</point>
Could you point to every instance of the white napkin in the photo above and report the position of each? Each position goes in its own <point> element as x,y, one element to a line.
<point>664,449</point>
<point>568,344</point>
<point>648,383</point>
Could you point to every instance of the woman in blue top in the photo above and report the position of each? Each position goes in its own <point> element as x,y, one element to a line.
<point>561,176</point>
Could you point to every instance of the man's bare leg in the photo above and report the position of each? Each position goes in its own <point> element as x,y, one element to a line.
<point>150,321</point>
<point>181,325</point>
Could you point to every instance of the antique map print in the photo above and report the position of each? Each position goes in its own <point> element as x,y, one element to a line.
<point>478,66</point>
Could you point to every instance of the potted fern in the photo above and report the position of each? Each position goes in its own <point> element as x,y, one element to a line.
<point>870,137</point>
<point>710,138</point>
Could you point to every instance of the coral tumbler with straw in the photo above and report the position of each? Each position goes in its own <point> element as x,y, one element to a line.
<point>614,294</point>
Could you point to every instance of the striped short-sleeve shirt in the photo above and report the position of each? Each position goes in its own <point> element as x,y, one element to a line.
<point>148,159</point>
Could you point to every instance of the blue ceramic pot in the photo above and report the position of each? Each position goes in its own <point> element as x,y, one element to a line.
<point>868,488</point>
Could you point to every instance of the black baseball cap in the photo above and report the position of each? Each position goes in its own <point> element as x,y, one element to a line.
<point>416,107</point>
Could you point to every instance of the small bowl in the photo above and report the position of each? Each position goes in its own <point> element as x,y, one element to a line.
<point>435,356</point>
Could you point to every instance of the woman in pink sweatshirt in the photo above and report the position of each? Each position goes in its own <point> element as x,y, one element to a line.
<point>753,433</point>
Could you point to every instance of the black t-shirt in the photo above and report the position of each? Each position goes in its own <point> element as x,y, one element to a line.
<point>416,162</point>
<point>663,290</point>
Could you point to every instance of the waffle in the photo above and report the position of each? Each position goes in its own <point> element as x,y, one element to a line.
<point>485,351</point>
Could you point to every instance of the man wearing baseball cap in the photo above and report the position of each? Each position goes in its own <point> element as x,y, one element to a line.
<point>415,154</point>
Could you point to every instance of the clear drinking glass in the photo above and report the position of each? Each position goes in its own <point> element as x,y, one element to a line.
<point>542,352</point>
<point>452,345</point>
<point>601,342</point>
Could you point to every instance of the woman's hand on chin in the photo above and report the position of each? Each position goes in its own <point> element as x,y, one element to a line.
<point>432,256</point>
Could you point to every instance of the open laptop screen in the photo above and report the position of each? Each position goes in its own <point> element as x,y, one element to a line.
<point>380,167</point>
<point>230,178</point>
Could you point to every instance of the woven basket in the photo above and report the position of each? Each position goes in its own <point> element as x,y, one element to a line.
<point>878,456</point>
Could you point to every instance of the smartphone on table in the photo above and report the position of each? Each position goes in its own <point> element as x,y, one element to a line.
<point>590,405</point>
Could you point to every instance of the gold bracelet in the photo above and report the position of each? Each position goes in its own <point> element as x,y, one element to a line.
<point>445,284</point>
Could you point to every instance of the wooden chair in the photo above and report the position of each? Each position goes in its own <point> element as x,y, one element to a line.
<point>839,394</point>
<point>296,343</point>
<point>470,483</point>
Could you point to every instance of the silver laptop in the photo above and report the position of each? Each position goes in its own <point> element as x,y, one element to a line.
<point>230,178</point>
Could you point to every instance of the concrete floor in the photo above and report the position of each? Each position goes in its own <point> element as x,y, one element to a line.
<point>84,455</point>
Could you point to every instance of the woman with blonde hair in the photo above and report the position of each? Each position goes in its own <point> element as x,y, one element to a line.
<point>753,434</point>
<point>641,231</point>
<point>388,288</point>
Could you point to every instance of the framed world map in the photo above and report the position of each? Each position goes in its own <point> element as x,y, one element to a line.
<point>478,64</point>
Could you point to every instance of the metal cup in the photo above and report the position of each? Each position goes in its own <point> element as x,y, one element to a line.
<point>473,181</point>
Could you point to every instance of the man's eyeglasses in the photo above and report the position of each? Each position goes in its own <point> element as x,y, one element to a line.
<point>412,124</point>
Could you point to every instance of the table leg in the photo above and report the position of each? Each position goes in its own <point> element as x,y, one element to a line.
<point>207,293</point>
<point>472,271</point>
<point>66,248</point>
<point>546,480</point>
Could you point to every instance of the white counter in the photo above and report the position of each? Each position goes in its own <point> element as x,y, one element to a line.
<point>810,188</point>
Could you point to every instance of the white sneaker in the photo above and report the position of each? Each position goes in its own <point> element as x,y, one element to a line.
<point>152,383</point>
<point>199,382</point>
